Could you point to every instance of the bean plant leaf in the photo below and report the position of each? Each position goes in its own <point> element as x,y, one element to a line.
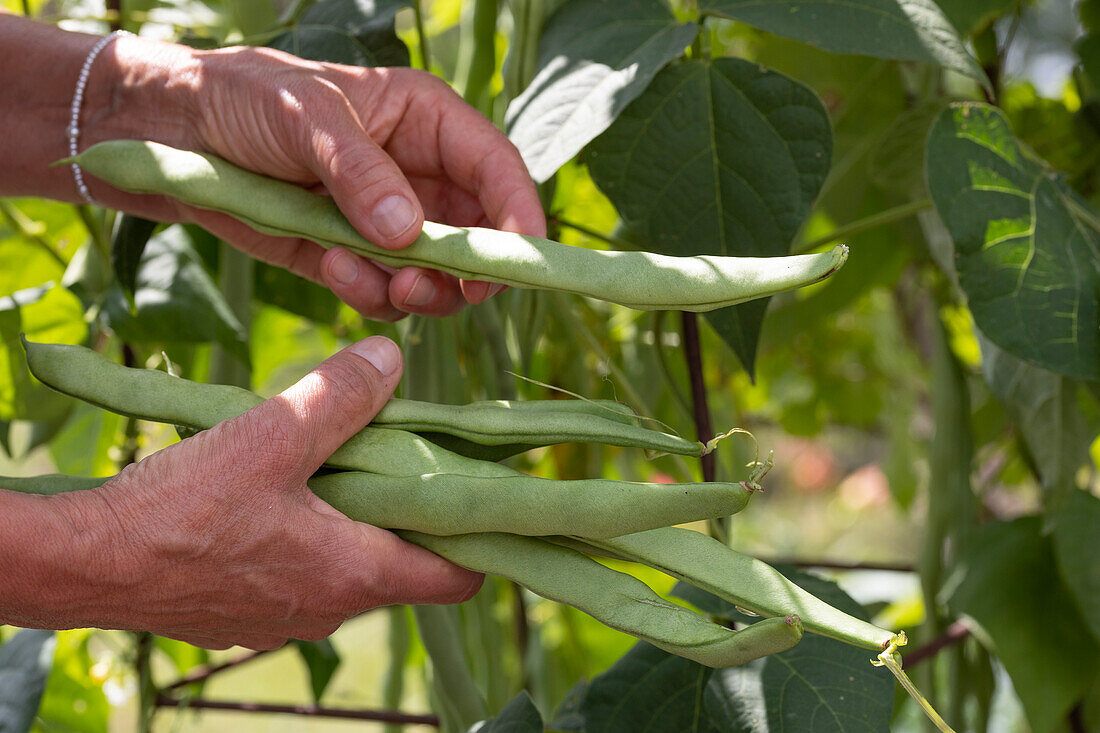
<point>1044,407</point>
<point>897,164</point>
<point>1076,529</point>
<point>321,660</point>
<point>909,30</point>
<point>1088,50</point>
<point>651,690</point>
<point>1027,248</point>
<point>126,249</point>
<point>176,300</point>
<point>354,32</point>
<point>971,15</point>
<point>518,716</point>
<point>1004,580</point>
<point>595,57</point>
<point>48,313</point>
<point>717,157</point>
<point>282,288</point>
<point>25,662</point>
<point>819,685</point>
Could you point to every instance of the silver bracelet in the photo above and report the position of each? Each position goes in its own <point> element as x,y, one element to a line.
<point>74,111</point>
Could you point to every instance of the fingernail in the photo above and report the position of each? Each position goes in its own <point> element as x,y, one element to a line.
<point>344,267</point>
<point>393,216</point>
<point>494,289</point>
<point>382,353</point>
<point>421,293</point>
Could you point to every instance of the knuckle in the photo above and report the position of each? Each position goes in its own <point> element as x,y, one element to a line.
<point>348,379</point>
<point>274,443</point>
<point>365,172</point>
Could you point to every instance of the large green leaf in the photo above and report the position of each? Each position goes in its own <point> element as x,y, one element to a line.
<point>354,32</point>
<point>321,660</point>
<point>819,685</point>
<point>1044,406</point>
<point>25,662</point>
<point>595,57</point>
<point>177,301</point>
<point>1007,581</point>
<point>1027,248</point>
<point>912,30</point>
<point>518,716</point>
<point>717,157</point>
<point>127,246</point>
<point>1088,50</point>
<point>284,289</point>
<point>970,15</point>
<point>46,313</point>
<point>649,690</point>
<point>1076,532</point>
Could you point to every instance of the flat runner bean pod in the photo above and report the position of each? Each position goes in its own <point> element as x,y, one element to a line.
<point>613,598</point>
<point>452,504</point>
<point>501,423</point>
<point>745,581</point>
<point>641,280</point>
<point>153,395</point>
<point>567,576</point>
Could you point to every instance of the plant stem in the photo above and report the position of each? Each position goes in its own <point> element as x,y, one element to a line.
<point>398,643</point>
<point>439,631</point>
<point>235,283</point>
<point>382,716</point>
<point>666,369</point>
<point>477,53</point>
<point>95,231</point>
<point>875,220</point>
<point>632,395</point>
<point>425,57</point>
<point>954,634</point>
<point>147,691</point>
<point>200,674</point>
<point>842,565</point>
<point>693,353</point>
<point>25,228</point>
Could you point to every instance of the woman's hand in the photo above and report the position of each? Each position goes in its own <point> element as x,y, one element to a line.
<point>217,540</point>
<point>391,145</point>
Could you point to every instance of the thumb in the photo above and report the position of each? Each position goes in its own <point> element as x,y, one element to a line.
<point>369,187</point>
<point>300,428</point>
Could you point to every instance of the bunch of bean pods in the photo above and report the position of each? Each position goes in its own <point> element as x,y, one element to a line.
<point>485,516</point>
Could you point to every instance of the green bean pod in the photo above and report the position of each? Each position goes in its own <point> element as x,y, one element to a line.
<point>50,483</point>
<point>641,280</point>
<point>503,423</point>
<point>745,581</point>
<point>451,504</point>
<point>613,598</point>
<point>153,395</point>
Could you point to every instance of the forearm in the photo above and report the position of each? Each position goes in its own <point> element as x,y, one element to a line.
<point>48,562</point>
<point>137,88</point>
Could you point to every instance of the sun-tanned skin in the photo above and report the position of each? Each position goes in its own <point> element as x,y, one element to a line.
<point>217,540</point>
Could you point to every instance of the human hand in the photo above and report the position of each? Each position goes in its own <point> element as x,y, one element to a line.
<point>218,541</point>
<point>391,145</point>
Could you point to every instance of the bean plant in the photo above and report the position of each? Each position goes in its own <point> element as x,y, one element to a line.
<point>932,407</point>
